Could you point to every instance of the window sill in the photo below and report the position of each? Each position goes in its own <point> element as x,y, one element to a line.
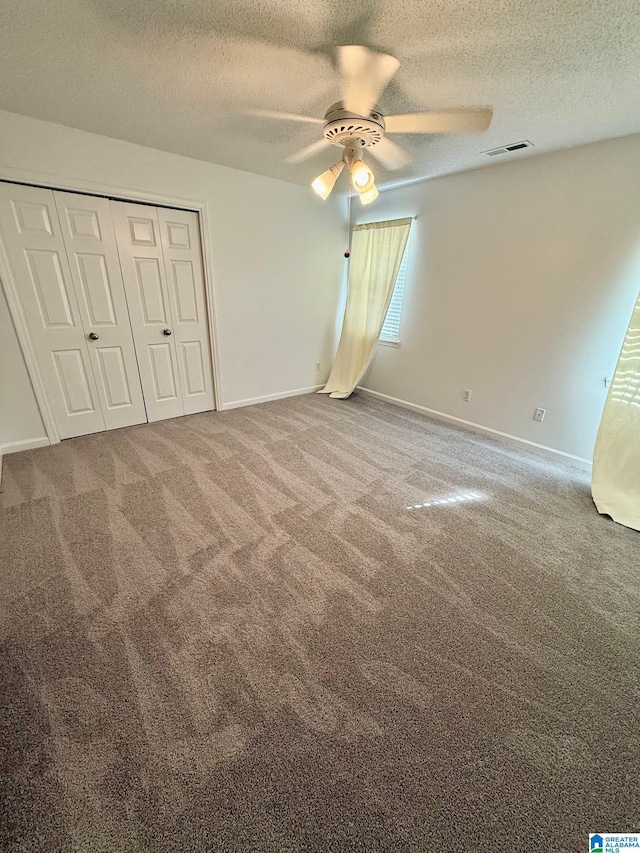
<point>384,343</point>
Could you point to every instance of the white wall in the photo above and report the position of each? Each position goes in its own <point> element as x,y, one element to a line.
<point>521,281</point>
<point>276,255</point>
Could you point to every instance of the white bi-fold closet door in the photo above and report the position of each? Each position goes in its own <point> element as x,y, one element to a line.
<point>66,268</point>
<point>162,269</point>
<point>101,323</point>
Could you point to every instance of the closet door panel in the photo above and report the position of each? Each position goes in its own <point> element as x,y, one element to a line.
<point>163,371</point>
<point>151,292</point>
<point>114,374</point>
<point>142,263</point>
<point>35,246</point>
<point>95,267</point>
<point>74,381</point>
<point>50,288</point>
<point>194,368</point>
<point>180,236</point>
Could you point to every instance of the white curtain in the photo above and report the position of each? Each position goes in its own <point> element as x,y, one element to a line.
<point>376,254</point>
<point>616,460</point>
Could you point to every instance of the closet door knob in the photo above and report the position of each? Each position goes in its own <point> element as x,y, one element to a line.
<point>94,336</point>
<point>166,331</point>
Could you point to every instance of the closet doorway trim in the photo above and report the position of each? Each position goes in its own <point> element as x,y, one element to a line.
<point>54,182</point>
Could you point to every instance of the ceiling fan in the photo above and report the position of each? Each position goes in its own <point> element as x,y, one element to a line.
<point>355,122</point>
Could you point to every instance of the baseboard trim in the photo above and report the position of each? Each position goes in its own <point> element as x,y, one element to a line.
<point>281,395</point>
<point>16,446</point>
<point>507,438</point>
<point>26,444</point>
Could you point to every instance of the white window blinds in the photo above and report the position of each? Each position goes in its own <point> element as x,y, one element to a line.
<point>625,387</point>
<point>391,327</point>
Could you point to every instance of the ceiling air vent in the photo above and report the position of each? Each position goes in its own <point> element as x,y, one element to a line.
<point>515,146</point>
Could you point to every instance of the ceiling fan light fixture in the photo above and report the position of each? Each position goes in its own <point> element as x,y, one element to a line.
<point>370,195</point>
<point>325,182</point>
<point>355,122</point>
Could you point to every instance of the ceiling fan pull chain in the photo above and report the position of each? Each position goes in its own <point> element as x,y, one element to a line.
<point>347,254</point>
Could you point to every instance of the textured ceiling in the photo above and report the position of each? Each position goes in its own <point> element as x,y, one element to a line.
<point>167,73</point>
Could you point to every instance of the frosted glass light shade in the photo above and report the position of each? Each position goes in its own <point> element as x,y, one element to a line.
<point>362,176</point>
<point>370,195</point>
<point>325,182</point>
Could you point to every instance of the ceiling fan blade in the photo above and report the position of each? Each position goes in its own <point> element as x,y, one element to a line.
<point>390,154</point>
<point>307,152</point>
<point>364,75</point>
<point>442,121</point>
<point>250,111</point>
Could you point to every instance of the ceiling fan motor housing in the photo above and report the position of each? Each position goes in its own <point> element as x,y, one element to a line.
<point>344,129</point>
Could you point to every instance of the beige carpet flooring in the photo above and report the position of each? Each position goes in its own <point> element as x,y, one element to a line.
<point>229,632</point>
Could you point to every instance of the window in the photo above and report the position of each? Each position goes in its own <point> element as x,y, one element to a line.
<point>625,387</point>
<point>390,333</point>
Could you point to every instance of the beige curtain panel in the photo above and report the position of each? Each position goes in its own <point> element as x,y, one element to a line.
<point>616,460</point>
<point>376,254</point>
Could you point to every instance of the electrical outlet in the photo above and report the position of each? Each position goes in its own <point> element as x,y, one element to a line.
<point>467,395</point>
<point>539,414</point>
<point>317,365</point>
